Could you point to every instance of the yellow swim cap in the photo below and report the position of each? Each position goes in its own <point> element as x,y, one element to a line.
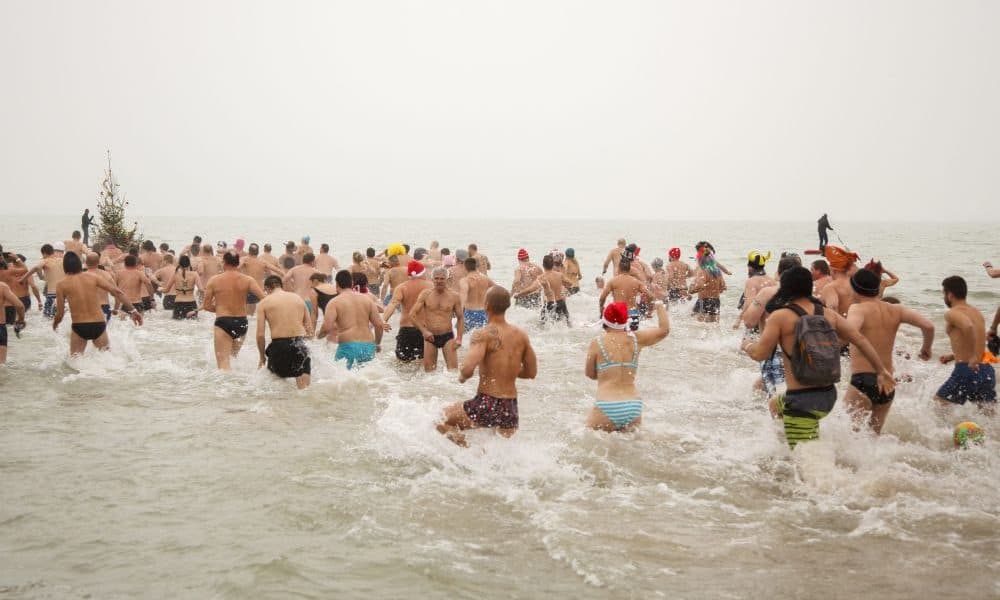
<point>756,259</point>
<point>395,250</point>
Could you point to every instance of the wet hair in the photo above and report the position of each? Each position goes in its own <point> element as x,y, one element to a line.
<point>272,282</point>
<point>625,265</point>
<point>796,283</point>
<point>890,300</point>
<point>164,247</point>
<point>358,258</point>
<point>308,258</point>
<point>822,266</point>
<point>207,249</point>
<point>133,251</point>
<point>131,261</point>
<point>267,247</point>
<point>71,263</point>
<point>253,249</point>
<point>168,259</point>
<point>789,262</point>
<point>288,262</point>
<point>547,262</point>
<point>497,300</point>
<point>324,247</point>
<point>370,252</point>
<point>419,253</point>
<point>289,246</point>
<point>149,246</point>
<point>184,262</point>
<point>407,246</point>
<point>231,258</point>
<point>344,279</point>
<point>473,248</point>
<point>360,281</point>
<point>47,249</point>
<point>76,235</point>
<point>956,286</point>
<point>445,252</point>
<point>471,264</point>
<point>197,239</point>
<point>195,250</point>
<point>93,259</point>
<point>319,277</point>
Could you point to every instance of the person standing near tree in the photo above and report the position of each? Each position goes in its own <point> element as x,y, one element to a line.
<point>85,222</point>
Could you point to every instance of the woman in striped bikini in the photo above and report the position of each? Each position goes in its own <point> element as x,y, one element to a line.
<point>613,359</point>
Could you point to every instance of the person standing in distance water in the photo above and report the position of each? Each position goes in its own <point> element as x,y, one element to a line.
<point>823,225</point>
<point>503,354</point>
<point>85,223</point>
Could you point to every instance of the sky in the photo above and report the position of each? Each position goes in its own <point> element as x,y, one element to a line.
<point>734,110</point>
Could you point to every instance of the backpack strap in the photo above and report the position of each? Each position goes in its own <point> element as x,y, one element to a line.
<point>818,307</point>
<point>795,309</point>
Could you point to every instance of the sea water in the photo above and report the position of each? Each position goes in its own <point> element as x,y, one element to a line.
<point>145,472</point>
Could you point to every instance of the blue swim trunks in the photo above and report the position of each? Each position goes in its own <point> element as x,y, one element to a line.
<point>966,385</point>
<point>355,353</point>
<point>474,319</point>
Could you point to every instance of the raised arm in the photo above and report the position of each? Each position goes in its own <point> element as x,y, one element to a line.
<point>648,337</point>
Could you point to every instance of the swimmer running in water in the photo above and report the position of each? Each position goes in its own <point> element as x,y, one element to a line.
<point>226,296</point>
<point>503,354</point>
<point>287,355</point>
<point>971,380</point>
<point>878,322</point>
<point>346,320</point>
<point>612,360</point>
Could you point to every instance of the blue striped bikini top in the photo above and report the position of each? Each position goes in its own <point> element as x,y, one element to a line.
<point>607,363</point>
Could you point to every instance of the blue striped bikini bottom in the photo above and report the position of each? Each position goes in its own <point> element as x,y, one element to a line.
<point>620,412</point>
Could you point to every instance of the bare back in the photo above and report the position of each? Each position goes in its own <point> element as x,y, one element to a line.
<point>507,350</point>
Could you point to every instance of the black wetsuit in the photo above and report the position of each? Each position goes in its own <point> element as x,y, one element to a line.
<point>823,225</point>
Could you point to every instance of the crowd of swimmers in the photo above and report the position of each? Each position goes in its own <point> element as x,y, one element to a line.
<point>798,324</point>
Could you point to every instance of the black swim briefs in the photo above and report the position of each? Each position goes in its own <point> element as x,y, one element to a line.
<point>440,339</point>
<point>89,331</point>
<point>235,327</point>
<point>181,309</point>
<point>867,384</point>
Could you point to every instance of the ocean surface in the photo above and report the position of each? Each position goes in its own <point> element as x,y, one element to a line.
<point>144,472</point>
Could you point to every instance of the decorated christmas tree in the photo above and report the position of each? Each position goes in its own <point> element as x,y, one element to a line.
<point>111,210</point>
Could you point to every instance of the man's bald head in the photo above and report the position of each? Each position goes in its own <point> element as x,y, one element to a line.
<point>93,259</point>
<point>497,300</point>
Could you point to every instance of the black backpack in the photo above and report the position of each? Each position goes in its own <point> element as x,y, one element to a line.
<point>815,357</point>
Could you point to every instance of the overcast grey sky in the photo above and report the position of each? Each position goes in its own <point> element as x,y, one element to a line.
<point>697,110</point>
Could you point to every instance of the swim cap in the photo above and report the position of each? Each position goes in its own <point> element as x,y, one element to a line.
<point>59,247</point>
<point>865,283</point>
<point>461,254</point>
<point>839,258</point>
<point>675,253</point>
<point>522,254</point>
<point>616,315</point>
<point>305,239</point>
<point>706,260</point>
<point>657,263</point>
<point>221,244</point>
<point>756,259</point>
<point>415,269</point>
<point>630,252</point>
<point>239,243</point>
<point>448,260</point>
<point>395,250</point>
<point>570,253</point>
